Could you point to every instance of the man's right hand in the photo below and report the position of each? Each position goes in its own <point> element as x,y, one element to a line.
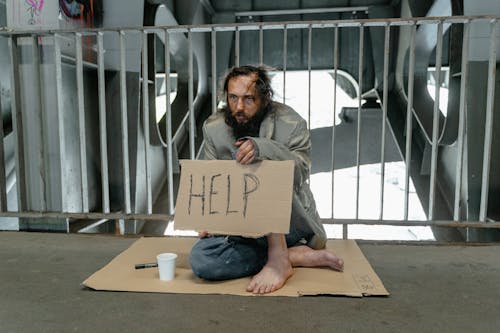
<point>246,151</point>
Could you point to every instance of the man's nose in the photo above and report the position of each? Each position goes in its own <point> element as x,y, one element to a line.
<point>240,105</point>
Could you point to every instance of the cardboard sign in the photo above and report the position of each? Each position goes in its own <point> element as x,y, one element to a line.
<point>225,197</point>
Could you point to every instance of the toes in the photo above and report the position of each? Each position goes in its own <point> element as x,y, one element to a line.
<point>270,289</point>
<point>265,289</point>
<point>251,287</point>
<point>339,265</point>
<point>260,290</point>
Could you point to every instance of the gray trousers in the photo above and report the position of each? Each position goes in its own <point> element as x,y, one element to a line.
<point>231,257</point>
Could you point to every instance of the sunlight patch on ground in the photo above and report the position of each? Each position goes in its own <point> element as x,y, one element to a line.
<point>171,231</point>
<point>369,193</point>
<point>381,232</point>
<point>344,204</point>
<point>322,88</point>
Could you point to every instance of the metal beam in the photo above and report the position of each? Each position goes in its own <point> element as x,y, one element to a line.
<point>302,11</point>
<point>208,7</point>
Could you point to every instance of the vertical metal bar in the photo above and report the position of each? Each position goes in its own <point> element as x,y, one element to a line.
<point>17,124</point>
<point>384,117</point>
<point>168,123</point>
<point>285,46</point>
<point>3,180</point>
<point>309,47</point>
<point>488,128</point>
<point>335,77</point>
<point>261,46</point>
<point>40,110</point>
<point>81,122</point>
<point>358,134</point>
<point>435,121</point>
<point>214,71</point>
<point>102,123</point>
<point>120,224</point>
<point>409,118</point>
<point>192,127</point>
<point>461,120</point>
<point>145,120</point>
<point>124,123</point>
<point>60,117</point>
<point>237,47</point>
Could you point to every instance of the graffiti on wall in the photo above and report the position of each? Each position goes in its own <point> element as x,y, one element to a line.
<point>34,9</point>
<point>88,12</point>
<point>53,14</point>
<point>28,14</point>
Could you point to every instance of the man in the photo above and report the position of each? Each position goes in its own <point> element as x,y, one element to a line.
<point>252,127</point>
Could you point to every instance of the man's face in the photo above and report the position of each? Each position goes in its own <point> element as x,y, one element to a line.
<point>242,98</point>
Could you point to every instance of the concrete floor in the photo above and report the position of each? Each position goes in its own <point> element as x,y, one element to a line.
<point>433,289</point>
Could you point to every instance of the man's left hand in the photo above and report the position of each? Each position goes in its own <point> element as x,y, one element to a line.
<point>246,151</point>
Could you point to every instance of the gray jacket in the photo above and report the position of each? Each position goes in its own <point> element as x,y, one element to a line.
<point>283,136</point>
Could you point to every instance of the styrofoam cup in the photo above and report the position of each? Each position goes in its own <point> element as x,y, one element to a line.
<point>166,265</point>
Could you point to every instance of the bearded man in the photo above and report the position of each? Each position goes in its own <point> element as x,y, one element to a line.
<point>252,127</point>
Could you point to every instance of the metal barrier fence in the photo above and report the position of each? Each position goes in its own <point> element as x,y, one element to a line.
<point>72,45</point>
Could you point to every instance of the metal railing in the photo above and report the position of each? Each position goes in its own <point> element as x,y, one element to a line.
<point>75,52</point>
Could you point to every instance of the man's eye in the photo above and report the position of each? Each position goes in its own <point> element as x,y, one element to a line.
<point>249,99</point>
<point>233,98</point>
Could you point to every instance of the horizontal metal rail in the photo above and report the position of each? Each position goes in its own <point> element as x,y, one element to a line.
<point>302,11</point>
<point>261,25</point>
<point>168,217</point>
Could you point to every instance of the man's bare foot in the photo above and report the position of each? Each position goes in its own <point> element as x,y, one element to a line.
<point>272,276</point>
<point>304,256</point>
<point>277,269</point>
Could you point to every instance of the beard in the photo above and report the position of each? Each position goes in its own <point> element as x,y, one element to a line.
<point>249,128</point>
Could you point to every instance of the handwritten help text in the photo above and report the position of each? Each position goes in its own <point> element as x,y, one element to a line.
<point>215,192</point>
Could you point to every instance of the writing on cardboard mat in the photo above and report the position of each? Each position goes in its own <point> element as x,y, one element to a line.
<point>364,282</point>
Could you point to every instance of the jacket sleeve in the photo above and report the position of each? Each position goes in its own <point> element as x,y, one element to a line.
<point>297,149</point>
<point>209,152</point>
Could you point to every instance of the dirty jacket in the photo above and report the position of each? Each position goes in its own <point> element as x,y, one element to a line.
<point>283,136</point>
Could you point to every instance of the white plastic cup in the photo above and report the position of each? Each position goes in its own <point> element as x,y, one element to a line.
<point>166,265</point>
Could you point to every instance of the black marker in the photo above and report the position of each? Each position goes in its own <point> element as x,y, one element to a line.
<point>147,265</point>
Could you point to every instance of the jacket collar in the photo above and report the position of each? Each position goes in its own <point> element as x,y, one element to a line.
<point>267,125</point>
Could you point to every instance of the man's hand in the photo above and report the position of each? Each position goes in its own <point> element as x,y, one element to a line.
<point>246,151</point>
<point>203,234</point>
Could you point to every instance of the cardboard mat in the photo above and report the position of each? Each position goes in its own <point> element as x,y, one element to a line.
<point>358,278</point>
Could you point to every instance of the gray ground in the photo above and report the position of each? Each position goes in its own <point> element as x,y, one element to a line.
<point>433,289</point>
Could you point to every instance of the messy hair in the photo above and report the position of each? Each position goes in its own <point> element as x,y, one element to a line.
<point>264,91</point>
<point>262,84</point>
